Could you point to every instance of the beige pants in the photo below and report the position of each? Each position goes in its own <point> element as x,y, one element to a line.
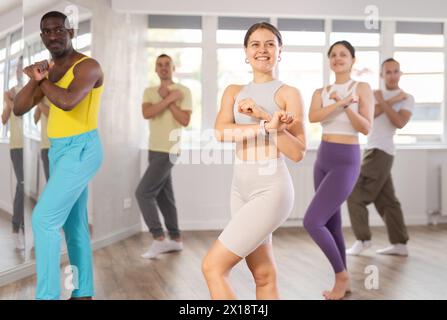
<point>375,185</point>
<point>262,197</point>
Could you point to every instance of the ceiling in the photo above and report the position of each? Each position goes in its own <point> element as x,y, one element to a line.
<point>30,7</point>
<point>8,5</point>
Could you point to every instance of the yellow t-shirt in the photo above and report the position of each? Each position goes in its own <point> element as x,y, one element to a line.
<point>164,123</point>
<point>16,132</point>
<point>82,118</point>
<point>15,126</point>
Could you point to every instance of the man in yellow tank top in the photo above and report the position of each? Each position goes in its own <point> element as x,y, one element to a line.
<point>16,153</point>
<point>168,109</point>
<point>73,84</point>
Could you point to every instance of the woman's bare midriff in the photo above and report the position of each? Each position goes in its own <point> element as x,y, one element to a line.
<point>256,150</point>
<point>340,138</point>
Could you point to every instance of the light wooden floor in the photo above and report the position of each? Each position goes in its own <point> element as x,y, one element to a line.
<point>304,272</point>
<point>9,256</point>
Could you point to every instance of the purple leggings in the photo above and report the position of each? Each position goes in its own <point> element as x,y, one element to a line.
<point>335,174</point>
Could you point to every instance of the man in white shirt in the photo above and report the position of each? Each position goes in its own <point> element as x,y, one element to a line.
<point>393,110</point>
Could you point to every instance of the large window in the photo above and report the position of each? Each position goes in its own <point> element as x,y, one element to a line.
<point>304,70</point>
<point>10,50</point>
<point>231,30</point>
<point>366,42</point>
<point>418,49</point>
<point>166,28</point>
<point>180,38</point>
<point>419,34</point>
<point>232,69</point>
<point>302,60</point>
<point>355,32</point>
<point>83,40</point>
<point>231,66</point>
<point>302,32</point>
<point>2,82</point>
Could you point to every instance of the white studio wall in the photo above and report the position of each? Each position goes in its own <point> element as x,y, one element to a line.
<point>206,206</point>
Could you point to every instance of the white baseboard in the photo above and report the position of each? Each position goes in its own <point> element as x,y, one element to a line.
<point>116,237</point>
<point>437,219</point>
<point>5,206</point>
<point>28,269</point>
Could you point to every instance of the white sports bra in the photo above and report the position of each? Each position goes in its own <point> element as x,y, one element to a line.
<point>338,122</point>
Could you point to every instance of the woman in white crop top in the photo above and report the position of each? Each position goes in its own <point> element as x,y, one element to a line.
<point>344,109</point>
<point>344,100</point>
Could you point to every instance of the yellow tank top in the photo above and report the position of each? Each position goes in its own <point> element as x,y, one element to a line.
<point>82,118</point>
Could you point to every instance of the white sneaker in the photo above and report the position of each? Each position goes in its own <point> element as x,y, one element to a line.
<point>174,246</point>
<point>358,247</point>
<point>19,240</point>
<point>162,246</point>
<point>157,247</point>
<point>395,249</point>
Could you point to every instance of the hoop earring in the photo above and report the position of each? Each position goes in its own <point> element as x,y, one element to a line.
<point>247,61</point>
<point>279,58</point>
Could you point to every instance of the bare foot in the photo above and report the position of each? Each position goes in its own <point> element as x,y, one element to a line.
<point>342,286</point>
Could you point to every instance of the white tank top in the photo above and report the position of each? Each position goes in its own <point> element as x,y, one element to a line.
<point>338,122</point>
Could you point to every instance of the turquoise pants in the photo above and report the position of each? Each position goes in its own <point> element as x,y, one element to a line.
<point>63,204</point>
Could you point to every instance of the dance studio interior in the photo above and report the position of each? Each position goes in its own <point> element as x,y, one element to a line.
<point>119,181</point>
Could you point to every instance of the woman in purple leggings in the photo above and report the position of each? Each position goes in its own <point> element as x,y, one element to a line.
<point>344,109</point>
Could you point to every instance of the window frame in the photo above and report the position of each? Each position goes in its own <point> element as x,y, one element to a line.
<point>8,37</point>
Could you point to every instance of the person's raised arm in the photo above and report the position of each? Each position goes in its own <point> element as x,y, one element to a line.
<point>87,75</point>
<point>30,94</point>
<point>182,116</point>
<point>317,112</point>
<point>150,110</point>
<point>225,127</point>
<point>292,140</point>
<point>363,119</point>
<point>398,118</point>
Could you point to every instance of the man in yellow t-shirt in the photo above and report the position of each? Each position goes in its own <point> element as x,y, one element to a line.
<point>168,108</point>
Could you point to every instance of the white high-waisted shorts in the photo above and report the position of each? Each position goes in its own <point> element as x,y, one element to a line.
<point>262,198</point>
